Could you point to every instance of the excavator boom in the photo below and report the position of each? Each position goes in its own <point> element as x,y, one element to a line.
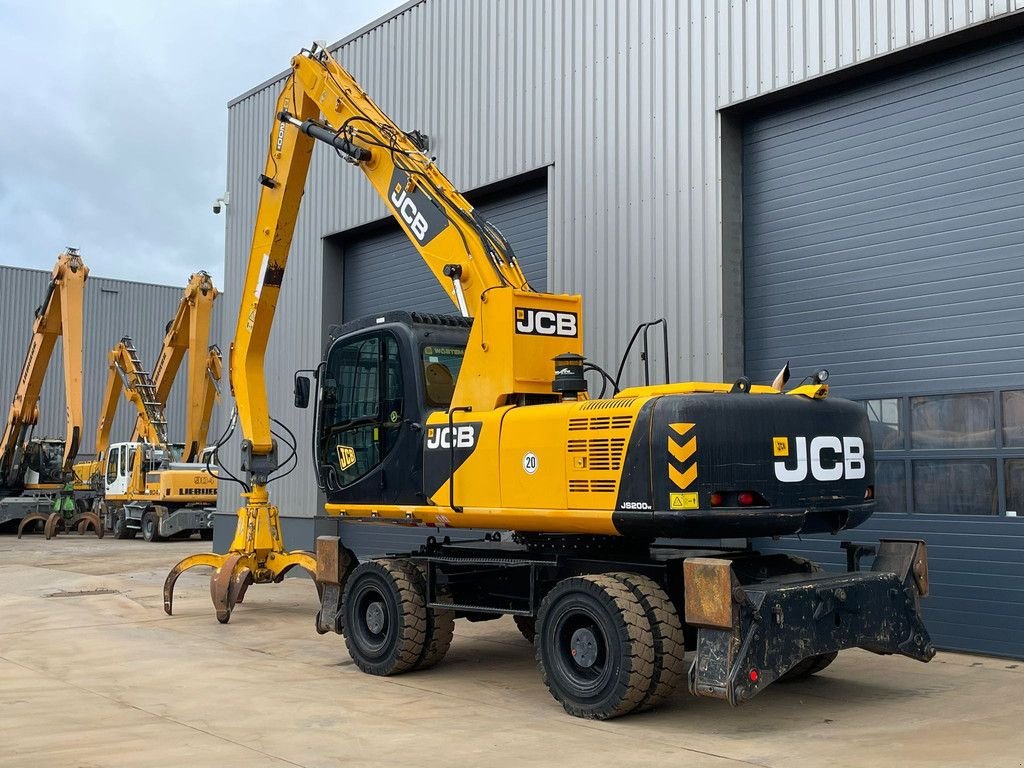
<point>59,316</point>
<point>189,331</point>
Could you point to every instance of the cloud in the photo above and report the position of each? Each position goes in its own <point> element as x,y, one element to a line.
<point>116,125</point>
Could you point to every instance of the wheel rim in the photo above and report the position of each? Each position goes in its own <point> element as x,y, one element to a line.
<point>581,650</point>
<point>149,527</point>
<point>373,626</point>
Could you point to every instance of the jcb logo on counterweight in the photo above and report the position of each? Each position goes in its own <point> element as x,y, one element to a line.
<point>829,458</point>
<point>543,322</point>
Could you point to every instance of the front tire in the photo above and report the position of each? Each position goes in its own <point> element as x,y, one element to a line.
<point>150,529</point>
<point>384,617</point>
<point>595,647</point>
<point>120,528</point>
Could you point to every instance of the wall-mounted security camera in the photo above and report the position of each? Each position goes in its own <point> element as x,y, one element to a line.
<point>221,203</point>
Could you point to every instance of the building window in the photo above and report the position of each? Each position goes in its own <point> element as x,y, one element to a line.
<point>953,421</point>
<point>886,423</point>
<point>960,453</point>
<point>1013,418</point>
<point>955,487</point>
<point>890,486</point>
<point>1015,486</point>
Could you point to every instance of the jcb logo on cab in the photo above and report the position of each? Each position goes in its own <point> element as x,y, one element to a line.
<point>543,322</point>
<point>828,458</point>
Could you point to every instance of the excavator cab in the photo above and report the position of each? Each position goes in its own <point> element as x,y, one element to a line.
<point>379,380</point>
<point>43,463</point>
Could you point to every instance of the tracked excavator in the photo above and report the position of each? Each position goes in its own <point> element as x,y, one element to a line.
<point>36,472</point>
<point>484,420</point>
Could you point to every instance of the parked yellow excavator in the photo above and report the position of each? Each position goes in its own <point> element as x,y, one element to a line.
<point>484,420</point>
<point>36,473</point>
<point>149,484</point>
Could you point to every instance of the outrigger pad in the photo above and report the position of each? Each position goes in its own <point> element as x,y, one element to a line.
<point>786,619</point>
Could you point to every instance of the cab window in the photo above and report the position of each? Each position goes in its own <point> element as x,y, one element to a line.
<point>112,464</point>
<point>441,365</point>
<point>361,407</point>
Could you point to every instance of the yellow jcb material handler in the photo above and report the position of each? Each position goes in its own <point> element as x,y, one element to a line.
<point>484,421</point>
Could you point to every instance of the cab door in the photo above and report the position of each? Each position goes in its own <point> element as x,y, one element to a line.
<point>117,470</point>
<point>363,424</point>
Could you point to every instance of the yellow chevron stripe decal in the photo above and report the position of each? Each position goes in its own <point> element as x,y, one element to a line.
<point>681,427</point>
<point>682,480</point>
<point>682,453</point>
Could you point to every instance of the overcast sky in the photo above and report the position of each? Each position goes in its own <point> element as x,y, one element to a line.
<point>115,124</point>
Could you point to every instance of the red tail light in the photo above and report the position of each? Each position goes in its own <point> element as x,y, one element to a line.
<point>746,498</point>
<point>717,499</point>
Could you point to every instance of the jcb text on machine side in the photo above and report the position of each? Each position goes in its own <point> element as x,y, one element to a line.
<point>484,421</point>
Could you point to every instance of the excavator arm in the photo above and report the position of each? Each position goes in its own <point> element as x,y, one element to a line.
<point>59,316</point>
<point>467,255</point>
<point>189,331</point>
<point>126,375</point>
<point>211,388</point>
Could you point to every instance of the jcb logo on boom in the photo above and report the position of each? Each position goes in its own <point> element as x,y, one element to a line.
<point>543,322</point>
<point>424,217</point>
<point>459,436</point>
<point>828,457</point>
<point>406,206</point>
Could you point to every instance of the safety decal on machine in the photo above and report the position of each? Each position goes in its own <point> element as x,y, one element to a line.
<point>682,465</point>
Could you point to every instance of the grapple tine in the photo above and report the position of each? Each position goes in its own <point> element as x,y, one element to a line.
<point>203,558</point>
<point>51,525</point>
<point>33,517</point>
<point>84,519</point>
<point>220,586</point>
<point>239,584</point>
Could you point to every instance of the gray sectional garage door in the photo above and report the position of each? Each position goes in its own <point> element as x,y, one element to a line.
<point>383,272</point>
<point>884,240</point>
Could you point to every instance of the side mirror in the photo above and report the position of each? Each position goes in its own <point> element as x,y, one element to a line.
<point>301,391</point>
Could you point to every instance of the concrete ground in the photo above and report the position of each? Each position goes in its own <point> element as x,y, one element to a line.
<point>92,673</point>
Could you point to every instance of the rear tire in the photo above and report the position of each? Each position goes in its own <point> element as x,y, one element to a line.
<point>527,626</point>
<point>667,632</point>
<point>384,617</point>
<point>594,647</point>
<point>149,526</point>
<point>812,665</point>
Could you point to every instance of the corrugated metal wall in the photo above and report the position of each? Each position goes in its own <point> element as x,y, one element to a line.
<point>113,308</point>
<point>882,231</point>
<point>620,98</point>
